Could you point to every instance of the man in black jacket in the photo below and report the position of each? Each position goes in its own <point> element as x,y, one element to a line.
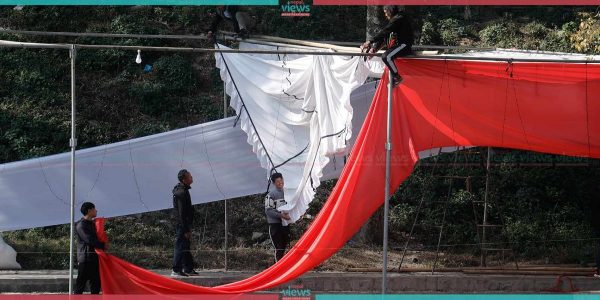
<point>87,242</point>
<point>397,35</point>
<point>183,263</point>
<point>234,14</point>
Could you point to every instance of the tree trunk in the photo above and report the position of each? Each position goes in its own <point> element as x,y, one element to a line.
<point>467,13</point>
<point>375,21</point>
<point>372,230</point>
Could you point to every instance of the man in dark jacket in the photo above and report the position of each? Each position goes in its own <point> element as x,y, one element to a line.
<point>183,263</point>
<point>232,13</point>
<point>87,242</point>
<point>397,36</point>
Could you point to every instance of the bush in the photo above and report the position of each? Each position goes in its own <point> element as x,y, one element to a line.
<point>429,35</point>
<point>587,37</point>
<point>451,32</point>
<point>502,35</point>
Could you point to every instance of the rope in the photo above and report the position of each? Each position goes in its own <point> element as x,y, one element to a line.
<point>137,186</point>
<point>244,107</point>
<point>587,117</point>
<point>505,109</point>
<point>437,110</point>
<point>48,184</point>
<point>99,173</point>
<point>517,103</point>
<point>210,163</point>
<point>318,146</point>
<point>289,159</point>
<point>418,212</point>
<point>239,116</point>
<point>437,251</point>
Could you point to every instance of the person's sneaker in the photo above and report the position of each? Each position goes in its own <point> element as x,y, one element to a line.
<point>243,34</point>
<point>396,80</point>
<point>178,274</point>
<point>191,273</point>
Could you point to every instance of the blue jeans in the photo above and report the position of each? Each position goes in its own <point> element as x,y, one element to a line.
<point>182,257</point>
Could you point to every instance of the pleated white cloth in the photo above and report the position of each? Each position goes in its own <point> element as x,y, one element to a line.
<point>296,111</point>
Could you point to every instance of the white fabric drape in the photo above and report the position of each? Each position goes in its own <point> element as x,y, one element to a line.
<point>8,256</point>
<point>296,111</point>
<point>137,176</point>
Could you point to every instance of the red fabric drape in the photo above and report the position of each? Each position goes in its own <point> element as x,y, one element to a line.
<point>100,233</point>
<point>545,107</point>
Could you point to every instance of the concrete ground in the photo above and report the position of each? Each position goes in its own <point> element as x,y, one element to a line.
<point>49,281</point>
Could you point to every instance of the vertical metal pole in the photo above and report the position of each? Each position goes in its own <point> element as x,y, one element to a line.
<point>226,230</point>
<point>485,205</point>
<point>388,153</point>
<point>73,144</point>
<point>225,116</point>
<point>224,101</point>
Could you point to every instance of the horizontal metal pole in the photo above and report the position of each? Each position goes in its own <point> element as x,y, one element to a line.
<point>507,59</point>
<point>434,47</point>
<point>13,44</point>
<point>226,35</point>
<point>106,35</point>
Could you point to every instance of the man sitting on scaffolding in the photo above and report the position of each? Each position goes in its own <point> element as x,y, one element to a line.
<point>399,37</point>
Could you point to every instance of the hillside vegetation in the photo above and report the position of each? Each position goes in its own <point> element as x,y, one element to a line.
<point>542,200</point>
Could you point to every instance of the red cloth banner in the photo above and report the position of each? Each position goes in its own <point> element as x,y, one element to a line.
<point>100,233</point>
<point>544,107</point>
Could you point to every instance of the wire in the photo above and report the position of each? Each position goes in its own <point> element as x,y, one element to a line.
<point>48,184</point>
<point>137,186</point>
<point>245,108</point>
<point>99,172</point>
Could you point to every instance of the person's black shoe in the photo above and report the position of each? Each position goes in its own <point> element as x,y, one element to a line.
<point>191,273</point>
<point>243,34</point>
<point>178,274</point>
<point>396,80</point>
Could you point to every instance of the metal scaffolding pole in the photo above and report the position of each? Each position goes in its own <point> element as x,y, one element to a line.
<point>388,153</point>
<point>73,144</point>
<point>485,206</point>
<point>226,228</point>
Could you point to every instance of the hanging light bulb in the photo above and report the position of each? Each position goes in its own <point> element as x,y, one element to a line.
<point>138,59</point>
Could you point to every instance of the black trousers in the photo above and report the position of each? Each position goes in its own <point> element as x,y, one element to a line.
<point>390,54</point>
<point>182,257</point>
<point>280,236</point>
<point>88,271</point>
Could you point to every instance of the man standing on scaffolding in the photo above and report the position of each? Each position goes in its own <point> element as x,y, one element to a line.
<point>397,35</point>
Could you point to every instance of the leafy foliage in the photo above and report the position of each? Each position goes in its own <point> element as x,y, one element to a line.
<point>543,209</point>
<point>587,37</point>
